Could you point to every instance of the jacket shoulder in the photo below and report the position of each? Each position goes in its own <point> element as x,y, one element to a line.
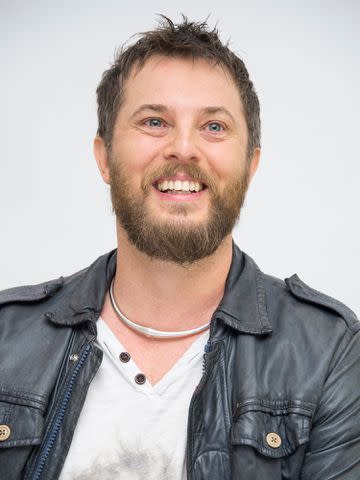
<point>31,293</point>
<point>304,293</point>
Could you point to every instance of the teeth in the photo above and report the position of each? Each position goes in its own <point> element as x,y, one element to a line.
<point>179,185</point>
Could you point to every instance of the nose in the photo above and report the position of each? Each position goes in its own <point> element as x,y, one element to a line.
<point>182,146</point>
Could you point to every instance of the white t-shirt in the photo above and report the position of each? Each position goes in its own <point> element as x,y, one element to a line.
<point>129,429</point>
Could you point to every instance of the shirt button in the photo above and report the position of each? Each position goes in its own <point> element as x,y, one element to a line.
<point>5,432</point>
<point>140,379</point>
<point>124,357</point>
<point>273,440</point>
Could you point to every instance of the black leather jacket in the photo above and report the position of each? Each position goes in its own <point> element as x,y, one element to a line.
<point>279,397</point>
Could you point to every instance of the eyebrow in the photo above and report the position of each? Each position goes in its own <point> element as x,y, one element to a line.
<point>159,108</point>
<point>150,106</point>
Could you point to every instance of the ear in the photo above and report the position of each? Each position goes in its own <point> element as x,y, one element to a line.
<point>254,162</point>
<point>102,158</point>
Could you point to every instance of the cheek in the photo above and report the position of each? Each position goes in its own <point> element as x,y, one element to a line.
<point>130,156</point>
<point>226,162</point>
<point>138,151</point>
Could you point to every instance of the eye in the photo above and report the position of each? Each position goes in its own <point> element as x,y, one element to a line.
<point>215,127</point>
<point>154,122</point>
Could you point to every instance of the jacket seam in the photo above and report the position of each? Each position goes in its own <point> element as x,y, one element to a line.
<point>337,356</point>
<point>261,297</point>
<point>279,404</point>
<point>333,363</point>
<point>246,329</point>
<point>322,295</point>
<point>347,315</point>
<point>23,442</point>
<point>216,450</point>
<point>286,450</point>
<point>24,398</point>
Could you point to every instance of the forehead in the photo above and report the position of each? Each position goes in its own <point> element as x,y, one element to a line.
<point>183,83</point>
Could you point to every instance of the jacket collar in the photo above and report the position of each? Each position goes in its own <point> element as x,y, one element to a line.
<point>83,293</point>
<point>243,306</point>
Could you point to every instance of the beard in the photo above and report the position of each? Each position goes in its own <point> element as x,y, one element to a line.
<point>176,240</point>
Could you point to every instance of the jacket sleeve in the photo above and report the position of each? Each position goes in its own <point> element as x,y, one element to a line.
<point>334,446</point>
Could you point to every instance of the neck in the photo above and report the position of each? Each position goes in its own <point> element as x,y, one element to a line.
<point>163,295</point>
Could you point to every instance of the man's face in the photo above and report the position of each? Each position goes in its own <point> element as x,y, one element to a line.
<point>178,164</point>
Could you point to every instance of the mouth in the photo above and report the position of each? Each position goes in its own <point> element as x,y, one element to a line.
<point>179,187</point>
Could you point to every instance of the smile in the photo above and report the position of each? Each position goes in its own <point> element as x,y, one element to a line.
<point>179,187</point>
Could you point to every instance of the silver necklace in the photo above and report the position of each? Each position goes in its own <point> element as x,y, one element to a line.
<point>151,332</point>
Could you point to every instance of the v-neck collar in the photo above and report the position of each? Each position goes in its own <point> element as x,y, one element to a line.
<point>110,343</point>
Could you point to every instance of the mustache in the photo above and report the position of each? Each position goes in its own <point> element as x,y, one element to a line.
<point>170,169</point>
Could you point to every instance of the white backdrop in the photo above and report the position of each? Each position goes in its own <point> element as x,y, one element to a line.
<point>302,211</point>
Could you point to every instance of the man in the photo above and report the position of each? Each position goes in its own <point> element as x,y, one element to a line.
<point>103,374</point>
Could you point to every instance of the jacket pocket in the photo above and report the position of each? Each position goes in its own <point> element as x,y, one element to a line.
<point>21,428</point>
<point>20,425</point>
<point>273,432</point>
<point>269,441</point>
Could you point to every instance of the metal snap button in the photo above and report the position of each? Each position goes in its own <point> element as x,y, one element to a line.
<point>140,379</point>
<point>124,357</point>
<point>273,440</point>
<point>5,432</point>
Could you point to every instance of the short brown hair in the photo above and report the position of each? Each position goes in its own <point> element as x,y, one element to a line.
<point>186,39</point>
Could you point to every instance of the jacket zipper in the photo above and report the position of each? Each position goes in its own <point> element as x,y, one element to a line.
<point>59,416</point>
<point>208,348</point>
